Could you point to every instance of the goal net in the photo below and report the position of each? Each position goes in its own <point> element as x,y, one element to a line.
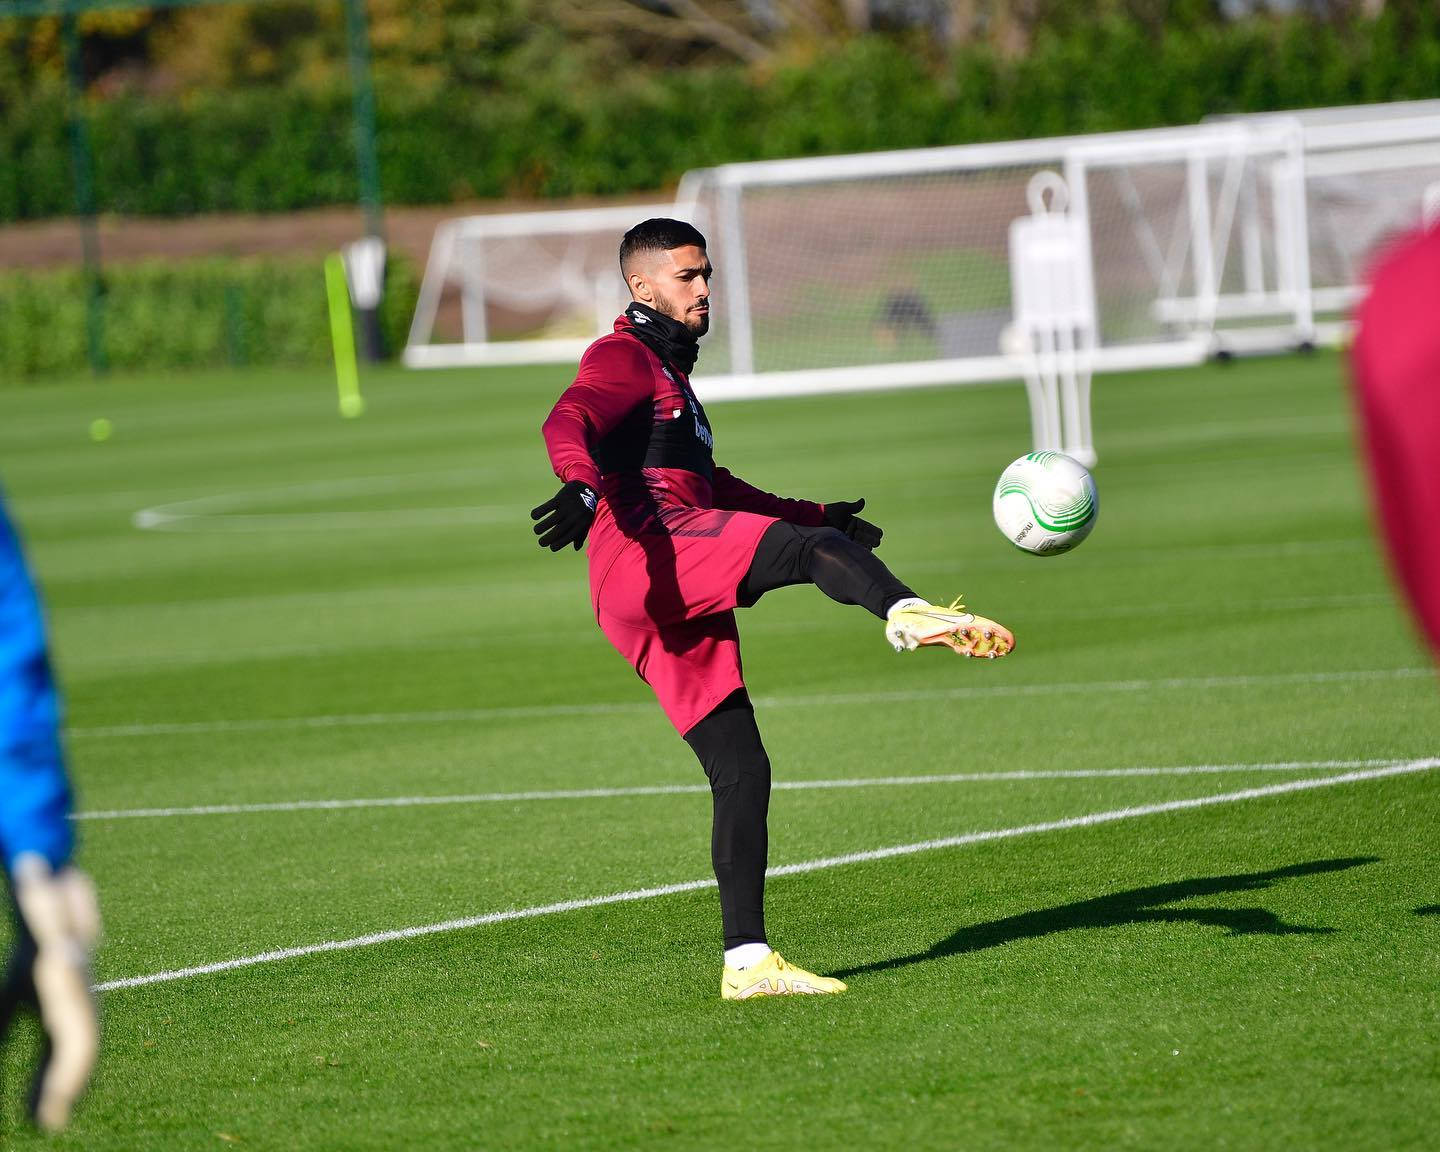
<point>1369,172</point>
<point>894,269</point>
<point>521,287</point>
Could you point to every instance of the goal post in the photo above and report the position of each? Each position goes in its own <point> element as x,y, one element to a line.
<point>895,268</point>
<point>521,287</point>
<point>1199,235</point>
<point>1367,172</point>
<point>890,270</point>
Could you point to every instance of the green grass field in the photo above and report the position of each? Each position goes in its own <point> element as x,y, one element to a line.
<point>326,610</point>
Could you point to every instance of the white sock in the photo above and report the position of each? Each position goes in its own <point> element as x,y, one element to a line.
<point>743,956</point>
<point>907,602</point>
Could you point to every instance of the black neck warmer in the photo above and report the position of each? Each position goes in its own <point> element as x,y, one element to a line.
<point>666,337</point>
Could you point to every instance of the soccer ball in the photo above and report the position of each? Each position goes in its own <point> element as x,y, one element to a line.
<point>1046,503</point>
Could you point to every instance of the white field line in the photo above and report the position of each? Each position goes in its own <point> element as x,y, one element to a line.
<point>151,520</point>
<point>218,510</point>
<point>704,789</point>
<point>806,700</point>
<point>825,862</point>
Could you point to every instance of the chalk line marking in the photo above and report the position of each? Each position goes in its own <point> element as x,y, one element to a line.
<point>704,789</point>
<point>217,512</point>
<point>804,700</point>
<point>824,862</point>
<point>156,520</point>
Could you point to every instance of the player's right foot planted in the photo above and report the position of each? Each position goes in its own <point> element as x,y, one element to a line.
<point>775,976</point>
<point>908,628</point>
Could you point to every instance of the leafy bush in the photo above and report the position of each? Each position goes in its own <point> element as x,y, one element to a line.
<point>182,315</point>
<point>259,149</point>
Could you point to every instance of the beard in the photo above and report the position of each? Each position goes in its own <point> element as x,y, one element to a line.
<point>696,323</point>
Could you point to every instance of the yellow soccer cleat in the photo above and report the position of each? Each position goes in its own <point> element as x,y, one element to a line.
<point>919,624</point>
<point>775,976</point>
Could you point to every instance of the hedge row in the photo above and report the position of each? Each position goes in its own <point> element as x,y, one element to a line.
<point>268,150</point>
<point>198,313</point>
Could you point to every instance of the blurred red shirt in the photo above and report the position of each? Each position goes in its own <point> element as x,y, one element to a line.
<point>1396,361</point>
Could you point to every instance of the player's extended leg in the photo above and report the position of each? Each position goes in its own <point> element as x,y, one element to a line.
<point>727,743</point>
<point>844,570</point>
<point>852,574</point>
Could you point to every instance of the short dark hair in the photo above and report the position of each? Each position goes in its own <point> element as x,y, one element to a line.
<point>658,234</point>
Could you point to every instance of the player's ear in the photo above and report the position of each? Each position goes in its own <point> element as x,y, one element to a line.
<point>640,287</point>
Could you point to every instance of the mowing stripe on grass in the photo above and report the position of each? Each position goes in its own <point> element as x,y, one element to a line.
<point>806,700</point>
<point>825,862</point>
<point>697,789</point>
<point>192,654</point>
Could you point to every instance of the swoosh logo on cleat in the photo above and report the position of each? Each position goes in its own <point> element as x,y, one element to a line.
<point>944,619</point>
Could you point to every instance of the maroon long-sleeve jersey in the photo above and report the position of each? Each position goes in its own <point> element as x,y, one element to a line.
<point>632,428</point>
<point>673,535</point>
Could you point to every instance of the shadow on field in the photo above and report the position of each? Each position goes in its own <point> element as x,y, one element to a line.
<point>1428,910</point>
<point>1137,906</point>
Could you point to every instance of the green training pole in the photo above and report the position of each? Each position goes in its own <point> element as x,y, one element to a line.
<point>342,337</point>
<point>80,160</point>
<point>357,39</point>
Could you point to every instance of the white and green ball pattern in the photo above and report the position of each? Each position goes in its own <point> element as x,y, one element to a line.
<point>1046,503</point>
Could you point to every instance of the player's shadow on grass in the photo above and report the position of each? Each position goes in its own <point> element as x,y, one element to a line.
<point>1137,906</point>
<point>1428,910</point>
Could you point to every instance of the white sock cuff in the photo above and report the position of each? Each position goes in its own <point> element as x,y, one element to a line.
<point>744,956</point>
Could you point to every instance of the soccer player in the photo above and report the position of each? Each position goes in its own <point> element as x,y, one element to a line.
<point>1396,361</point>
<point>676,543</point>
<point>56,916</point>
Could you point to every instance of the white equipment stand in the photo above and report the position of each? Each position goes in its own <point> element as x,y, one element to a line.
<point>364,261</point>
<point>1055,332</point>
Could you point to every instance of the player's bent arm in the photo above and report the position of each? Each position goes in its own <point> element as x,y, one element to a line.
<point>735,495</point>
<point>614,378</point>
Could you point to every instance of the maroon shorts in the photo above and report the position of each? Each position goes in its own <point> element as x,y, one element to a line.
<point>666,601</point>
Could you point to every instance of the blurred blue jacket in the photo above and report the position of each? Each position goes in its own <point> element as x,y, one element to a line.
<point>34,792</point>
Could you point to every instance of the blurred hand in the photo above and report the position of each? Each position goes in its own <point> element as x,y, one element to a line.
<point>60,922</point>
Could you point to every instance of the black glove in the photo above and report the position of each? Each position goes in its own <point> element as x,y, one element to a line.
<point>842,516</point>
<point>567,516</point>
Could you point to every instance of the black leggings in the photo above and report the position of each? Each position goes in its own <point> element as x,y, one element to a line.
<point>727,740</point>
<point>728,744</point>
<point>842,569</point>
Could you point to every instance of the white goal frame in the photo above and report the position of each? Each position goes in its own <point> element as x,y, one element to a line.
<point>1221,147</point>
<point>1248,192</point>
<point>456,261</point>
